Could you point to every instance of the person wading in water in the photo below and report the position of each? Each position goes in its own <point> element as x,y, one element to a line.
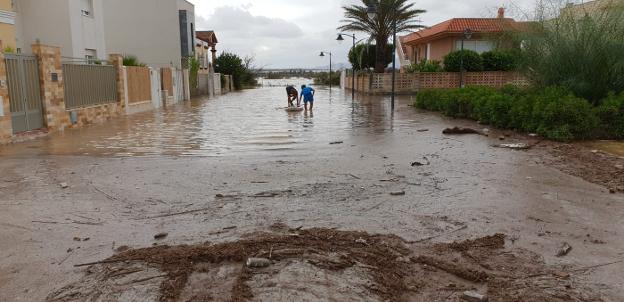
<point>307,93</point>
<point>293,95</point>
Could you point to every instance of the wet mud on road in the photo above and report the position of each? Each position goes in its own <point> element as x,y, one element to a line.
<point>208,175</point>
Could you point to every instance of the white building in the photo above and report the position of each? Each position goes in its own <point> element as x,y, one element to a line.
<point>158,32</point>
<point>76,26</point>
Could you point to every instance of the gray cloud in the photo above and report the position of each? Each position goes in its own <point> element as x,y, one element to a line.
<point>287,33</point>
<point>240,22</point>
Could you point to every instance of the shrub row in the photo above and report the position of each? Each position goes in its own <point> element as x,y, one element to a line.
<point>495,60</point>
<point>553,112</point>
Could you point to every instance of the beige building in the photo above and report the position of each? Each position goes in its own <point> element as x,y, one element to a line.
<point>206,48</point>
<point>592,7</point>
<point>7,25</point>
<point>437,41</point>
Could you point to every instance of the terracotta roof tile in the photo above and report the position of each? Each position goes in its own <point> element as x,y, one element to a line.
<point>207,36</point>
<point>458,25</point>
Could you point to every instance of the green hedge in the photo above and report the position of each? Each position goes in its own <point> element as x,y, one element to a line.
<point>554,113</point>
<point>610,112</point>
<point>501,60</point>
<point>425,66</point>
<point>495,60</point>
<point>472,61</point>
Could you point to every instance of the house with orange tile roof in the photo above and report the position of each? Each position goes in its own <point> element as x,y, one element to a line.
<point>206,48</point>
<point>435,42</point>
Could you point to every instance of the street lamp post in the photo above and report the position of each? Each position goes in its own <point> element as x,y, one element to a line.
<point>330,67</point>
<point>372,14</point>
<point>467,35</point>
<point>340,39</point>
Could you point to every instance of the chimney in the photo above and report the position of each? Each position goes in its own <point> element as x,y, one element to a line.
<point>501,13</point>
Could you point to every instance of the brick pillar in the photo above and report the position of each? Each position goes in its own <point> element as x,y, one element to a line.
<point>52,89</point>
<point>6,125</point>
<point>117,61</point>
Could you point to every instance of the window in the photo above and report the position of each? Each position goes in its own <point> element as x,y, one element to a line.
<point>91,56</point>
<point>479,46</point>
<point>87,8</point>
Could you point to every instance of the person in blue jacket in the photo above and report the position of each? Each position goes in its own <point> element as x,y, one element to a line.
<point>307,93</point>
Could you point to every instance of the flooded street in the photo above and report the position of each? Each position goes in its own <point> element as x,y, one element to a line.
<point>217,170</point>
<point>247,123</point>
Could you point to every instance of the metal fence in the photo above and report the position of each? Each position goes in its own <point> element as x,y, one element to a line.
<point>89,85</point>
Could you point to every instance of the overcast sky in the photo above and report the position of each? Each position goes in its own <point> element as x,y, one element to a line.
<point>291,33</point>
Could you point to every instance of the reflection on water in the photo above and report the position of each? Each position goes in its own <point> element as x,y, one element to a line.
<point>240,122</point>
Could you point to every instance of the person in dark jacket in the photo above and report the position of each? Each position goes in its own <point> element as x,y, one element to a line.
<point>293,95</point>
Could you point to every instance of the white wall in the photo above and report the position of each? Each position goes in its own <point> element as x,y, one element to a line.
<point>88,31</point>
<point>60,23</point>
<point>45,20</point>
<point>148,29</point>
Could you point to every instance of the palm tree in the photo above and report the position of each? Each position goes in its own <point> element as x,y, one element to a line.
<point>380,28</point>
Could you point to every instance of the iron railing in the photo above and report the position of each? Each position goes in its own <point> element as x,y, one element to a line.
<point>89,85</point>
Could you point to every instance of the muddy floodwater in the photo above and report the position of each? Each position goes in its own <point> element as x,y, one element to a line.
<point>219,178</point>
<point>247,123</point>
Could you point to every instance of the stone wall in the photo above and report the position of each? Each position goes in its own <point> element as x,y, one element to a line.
<point>56,118</point>
<point>6,128</point>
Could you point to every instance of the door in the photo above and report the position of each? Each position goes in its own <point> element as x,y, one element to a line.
<point>24,92</point>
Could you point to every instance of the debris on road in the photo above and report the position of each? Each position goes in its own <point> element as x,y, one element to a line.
<point>161,236</point>
<point>398,193</point>
<point>458,130</point>
<point>258,262</point>
<point>502,138</point>
<point>420,164</point>
<point>64,185</point>
<point>516,146</point>
<point>384,260</point>
<point>423,130</point>
<point>336,143</point>
<point>563,275</point>
<point>361,241</point>
<point>564,249</point>
<point>266,194</point>
<point>474,296</point>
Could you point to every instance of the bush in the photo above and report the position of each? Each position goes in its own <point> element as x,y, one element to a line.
<point>472,61</point>
<point>500,60</point>
<point>561,116</point>
<point>130,60</point>
<point>323,78</point>
<point>582,52</point>
<point>611,115</point>
<point>425,66</point>
<point>553,113</point>
<point>239,68</point>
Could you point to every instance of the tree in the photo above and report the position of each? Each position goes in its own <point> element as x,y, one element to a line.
<point>363,56</point>
<point>239,68</point>
<point>380,29</point>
